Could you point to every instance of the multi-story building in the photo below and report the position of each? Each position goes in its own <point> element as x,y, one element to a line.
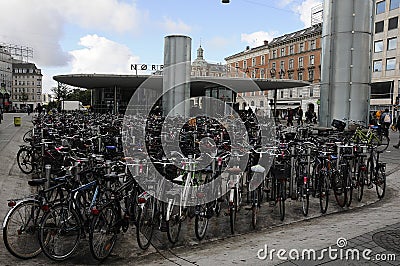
<point>5,77</point>
<point>385,55</point>
<point>296,55</point>
<point>27,85</point>
<point>201,68</point>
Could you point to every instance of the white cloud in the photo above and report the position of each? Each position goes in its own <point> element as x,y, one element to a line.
<point>304,10</point>
<point>101,55</point>
<point>257,38</point>
<point>175,27</point>
<point>40,23</point>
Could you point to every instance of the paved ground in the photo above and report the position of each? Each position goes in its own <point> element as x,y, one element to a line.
<point>371,224</point>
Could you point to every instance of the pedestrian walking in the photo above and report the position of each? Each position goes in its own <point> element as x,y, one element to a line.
<point>300,116</point>
<point>290,117</point>
<point>386,121</point>
<point>397,125</point>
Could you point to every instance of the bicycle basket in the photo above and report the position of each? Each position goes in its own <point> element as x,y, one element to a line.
<point>339,125</point>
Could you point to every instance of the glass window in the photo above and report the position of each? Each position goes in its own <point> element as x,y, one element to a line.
<point>281,94</point>
<point>377,65</point>
<point>273,65</point>
<point>312,45</point>
<point>252,103</point>
<point>378,46</point>
<point>393,23</point>
<point>311,92</point>
<point>282,51</point>
<point>301,47</point>
<point>394,4</point>
<point>262,60</point>
<point>379,26</point>
<point>300,76</point>
<point>380,7</point>
<point>392,43</point>
<point>244,64</point>
<point>291,63</point>
<point>390,63</point>
<point>301,61</point>
<point>273,54</point>
<point>290,75</point>
<point>291,49</point>
<point>311,75</point>
<point>312,60</point>
<point>283,65</point>
<point>261,103</point>
<point>253,61</point>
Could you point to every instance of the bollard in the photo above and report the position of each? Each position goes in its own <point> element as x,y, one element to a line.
<point>47,168</point>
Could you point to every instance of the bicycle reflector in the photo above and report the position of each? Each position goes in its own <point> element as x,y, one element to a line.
<point>95,211</point>
<point>11,203</point>
<point>45,208</point>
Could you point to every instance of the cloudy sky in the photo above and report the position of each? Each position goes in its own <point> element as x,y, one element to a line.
<point>107,36</point>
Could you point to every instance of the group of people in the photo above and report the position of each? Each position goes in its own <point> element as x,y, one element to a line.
<point>297,113</point>
<point>385,120</point>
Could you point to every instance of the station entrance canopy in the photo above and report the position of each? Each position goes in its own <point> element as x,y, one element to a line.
<point>109,88</point>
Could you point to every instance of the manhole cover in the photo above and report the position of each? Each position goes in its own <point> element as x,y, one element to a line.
<point>389,240</point>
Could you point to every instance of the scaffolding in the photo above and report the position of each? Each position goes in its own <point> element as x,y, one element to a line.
<point>19,52</point>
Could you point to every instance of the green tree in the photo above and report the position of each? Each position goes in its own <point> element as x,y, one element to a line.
<point>80,95</point>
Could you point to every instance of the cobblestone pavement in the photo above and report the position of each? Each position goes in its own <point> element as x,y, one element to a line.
<point>363,224</point>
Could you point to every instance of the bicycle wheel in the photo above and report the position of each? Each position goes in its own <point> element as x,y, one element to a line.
<point>339,188</point>
<point>59,233</point>
<point>256,207</point>
<point>174,224</point>
<point>370,173</point>
<point>381,142</point>
<point>201,221</point>
<point>349,186</point>
<point>233,205</point>
<point>25,160</point>
<point>103,233</point>
<point>361,176</point>
<point>305,199</point>
<point>380,182</point>
<point>27,136</point>
<point>145,224</point>
<point>323,192</point>
<point>20,229</point>
<point>281,200</point>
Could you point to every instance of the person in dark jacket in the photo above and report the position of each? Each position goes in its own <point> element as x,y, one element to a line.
<point>398,129</point>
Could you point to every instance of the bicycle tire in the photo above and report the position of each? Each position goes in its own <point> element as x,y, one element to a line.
<point>174,224</point>
<point>381,142</point>
<point>380,182</point>
<point>145,224</point>
<point>370,173</point>
<point>25,160</point>
<point>281,201</point>
<point>27,136</point>
<point>339,189</point>
<point>323,192</point>
<point>26,230</point>
<point>103,233</point>
<point>51,226</point>
<point>201,222</point>
<point>305,200</point>
<point>349,186</point>
<point>362,173</point>
<point>255,207</point>
<point>233,211</point>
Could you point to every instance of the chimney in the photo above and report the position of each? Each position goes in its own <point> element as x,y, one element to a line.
<point>247,47</point>
<point>265,42</point>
